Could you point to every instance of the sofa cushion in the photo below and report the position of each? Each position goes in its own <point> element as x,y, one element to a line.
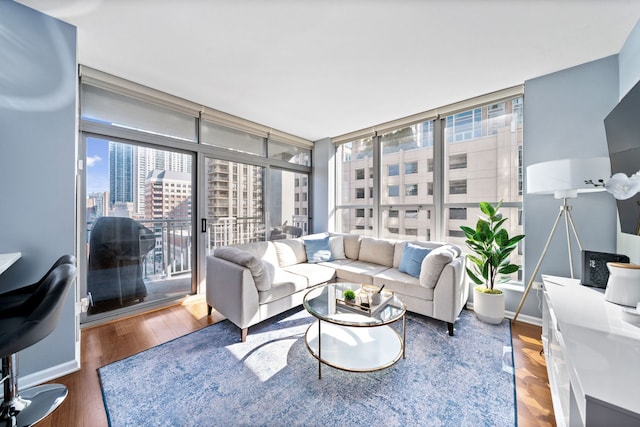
<point>284,285</point>
<point>377,251</point>
<point>351,243</point>
<point>337,247</point>
<point>403,284</point>
<point>318,250</point>
<point>433,264</point>
<point>314,273</point>
<point>412,257</point>
<point>358,272</point>
<point>290,251</point>
<point>241,257</point>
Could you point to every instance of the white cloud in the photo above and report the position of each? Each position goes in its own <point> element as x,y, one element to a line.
<point>93,160</point>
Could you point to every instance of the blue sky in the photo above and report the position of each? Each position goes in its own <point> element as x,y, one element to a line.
<point>97,165</point>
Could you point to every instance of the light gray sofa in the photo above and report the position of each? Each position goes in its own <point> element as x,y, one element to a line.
<point>251,282</point>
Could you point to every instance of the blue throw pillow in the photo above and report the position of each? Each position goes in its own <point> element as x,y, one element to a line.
<point>412,259</point>
<point>318,250</point>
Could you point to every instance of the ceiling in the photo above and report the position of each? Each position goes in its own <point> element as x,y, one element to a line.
<point>322,68</point>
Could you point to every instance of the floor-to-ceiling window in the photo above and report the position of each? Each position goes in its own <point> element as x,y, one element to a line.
<point>172,180</point>
<point>423,180</point>
<point>355,187</point>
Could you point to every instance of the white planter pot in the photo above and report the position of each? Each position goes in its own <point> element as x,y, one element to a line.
<point>489,308</point>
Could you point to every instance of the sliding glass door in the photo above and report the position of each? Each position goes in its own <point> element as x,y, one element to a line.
<point>139,246</point>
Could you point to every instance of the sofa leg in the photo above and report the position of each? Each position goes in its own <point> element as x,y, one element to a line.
<point>209,308</point>
<point>243,334</point>
<point>450,327</point>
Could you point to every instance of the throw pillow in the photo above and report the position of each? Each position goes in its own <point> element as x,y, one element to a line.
<point>434,263</point>
<point>260,275</point>
<point>412,258</point>
<point>337,247</point>
<point>318,250</point>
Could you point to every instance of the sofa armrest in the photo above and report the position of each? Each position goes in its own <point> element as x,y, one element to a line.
<point>451,291</point>
<point>232,291</point>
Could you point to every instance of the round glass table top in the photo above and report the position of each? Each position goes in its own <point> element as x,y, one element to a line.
<point>327,302</point>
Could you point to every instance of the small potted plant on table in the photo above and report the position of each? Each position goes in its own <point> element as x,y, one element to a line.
<point>349,295</point>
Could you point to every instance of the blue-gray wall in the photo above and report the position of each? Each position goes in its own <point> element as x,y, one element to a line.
<point>629,61</point>
<point>38,85</point>
<point>563,116</point>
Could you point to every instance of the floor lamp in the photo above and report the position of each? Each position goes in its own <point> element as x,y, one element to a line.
<point>564,179</point>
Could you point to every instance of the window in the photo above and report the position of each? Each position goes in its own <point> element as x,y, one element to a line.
<point>359,173</point>
<point>458,186</point>
<point>463,126</point>
<point>411,168</point>
<point>457,213</point>
<point>359,213</point>
<point>359,193</point>
<point>458,161</point>
<point>456,233</point>
<point>479,157</point>
<point>411,190</point>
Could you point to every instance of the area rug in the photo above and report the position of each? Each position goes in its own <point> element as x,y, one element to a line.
<point>209,378</point>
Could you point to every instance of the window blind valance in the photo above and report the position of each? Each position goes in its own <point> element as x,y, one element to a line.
<point>125,87</point>
<point>430,114</point>
<point>100,79</point>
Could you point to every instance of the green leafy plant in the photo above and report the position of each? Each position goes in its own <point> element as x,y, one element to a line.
<point>491,245</point>
<point>349,295</point>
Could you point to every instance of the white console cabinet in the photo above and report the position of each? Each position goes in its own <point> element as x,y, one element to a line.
<point>592,356</point>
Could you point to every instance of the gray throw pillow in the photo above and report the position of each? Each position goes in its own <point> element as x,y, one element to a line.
<point>258,272</point>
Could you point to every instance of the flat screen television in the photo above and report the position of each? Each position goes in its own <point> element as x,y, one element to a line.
<point>622,127</point>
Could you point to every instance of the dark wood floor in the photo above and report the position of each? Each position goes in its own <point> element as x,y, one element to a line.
<point>113,341</point>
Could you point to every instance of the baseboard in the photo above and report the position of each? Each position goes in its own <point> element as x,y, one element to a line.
<point>521,317</point>
<point>48,374</point>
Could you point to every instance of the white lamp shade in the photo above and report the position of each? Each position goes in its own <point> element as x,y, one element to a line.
<point>566,177</point>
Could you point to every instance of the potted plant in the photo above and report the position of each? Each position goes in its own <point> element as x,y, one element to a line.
<point>489,263</point>
<point>349,295</point>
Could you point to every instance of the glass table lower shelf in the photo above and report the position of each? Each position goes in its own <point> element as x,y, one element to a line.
<point>351,336</point>
<point>354,349</point>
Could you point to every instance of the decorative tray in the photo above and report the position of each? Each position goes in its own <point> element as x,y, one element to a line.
<point>363,307</point>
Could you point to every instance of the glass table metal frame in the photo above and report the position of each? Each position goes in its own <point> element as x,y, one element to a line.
<point>350,336</point>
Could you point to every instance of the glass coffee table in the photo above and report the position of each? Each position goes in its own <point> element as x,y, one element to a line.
<point>354,336</point>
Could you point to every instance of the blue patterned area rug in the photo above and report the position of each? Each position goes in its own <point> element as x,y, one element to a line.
<point>209,378</point>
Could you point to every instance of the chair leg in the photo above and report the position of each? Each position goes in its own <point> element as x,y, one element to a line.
<point>450,328</point>
<point>243,334</point>
<point>30,406</point>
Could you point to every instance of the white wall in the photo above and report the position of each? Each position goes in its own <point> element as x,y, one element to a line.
<point>37,166</point>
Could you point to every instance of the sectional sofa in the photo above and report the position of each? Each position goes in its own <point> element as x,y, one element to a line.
<point>251,282</point>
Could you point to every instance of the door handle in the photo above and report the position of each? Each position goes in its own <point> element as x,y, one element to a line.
<point>204,225</point>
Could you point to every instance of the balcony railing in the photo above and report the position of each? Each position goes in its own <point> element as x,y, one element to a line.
<point>172,252</point>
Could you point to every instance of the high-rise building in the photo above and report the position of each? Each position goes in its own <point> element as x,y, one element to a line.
<point>148,159</point>
<point>168,195</point>
<point>120,173</point>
